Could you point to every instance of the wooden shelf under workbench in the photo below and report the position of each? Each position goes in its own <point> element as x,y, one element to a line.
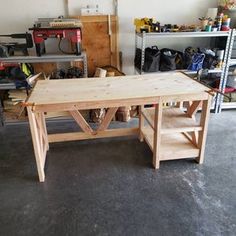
<point>174,120</point>
<point>173,146</point>
<point>176,125</point>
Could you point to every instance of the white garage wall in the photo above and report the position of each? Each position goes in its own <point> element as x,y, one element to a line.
<point>18,16</point>
<point>106,6</point>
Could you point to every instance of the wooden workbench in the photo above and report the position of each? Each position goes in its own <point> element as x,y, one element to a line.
<point>171,133</point>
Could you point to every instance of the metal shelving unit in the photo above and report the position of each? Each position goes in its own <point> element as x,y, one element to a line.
<point>43,59</point>
<point>215,71</point>
<point>230,62</point>
<point>184,34</point>
<point>145,36</point>
<point>49,58</point>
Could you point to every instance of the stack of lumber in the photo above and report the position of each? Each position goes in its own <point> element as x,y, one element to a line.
<point>17,96</point>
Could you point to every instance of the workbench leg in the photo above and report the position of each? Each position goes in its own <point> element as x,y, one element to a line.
<point>141,123</point>
<point>205,115</point>
<point>157,135</point>
<point>40,159</point>
<point>44,126</point>
<point>43,139</point>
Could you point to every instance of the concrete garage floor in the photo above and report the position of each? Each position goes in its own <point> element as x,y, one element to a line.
<point>108,187</point>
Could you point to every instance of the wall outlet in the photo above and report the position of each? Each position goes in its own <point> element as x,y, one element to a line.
<point>90,11</point>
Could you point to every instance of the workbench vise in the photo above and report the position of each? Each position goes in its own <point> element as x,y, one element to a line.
<point>73,34</point>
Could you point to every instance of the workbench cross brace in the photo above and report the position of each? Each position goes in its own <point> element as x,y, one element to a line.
<point>87,128</point>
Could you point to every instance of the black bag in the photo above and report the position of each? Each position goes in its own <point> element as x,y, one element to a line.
<point>210,61</point>
<point>187,57</point>
<point>151,61</point>
<point>168,57</point>
<point>179,60</point>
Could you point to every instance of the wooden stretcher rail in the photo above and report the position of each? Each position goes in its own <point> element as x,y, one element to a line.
<point>54,138</point>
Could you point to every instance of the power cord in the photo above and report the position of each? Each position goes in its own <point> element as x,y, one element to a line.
<point>60,48</point>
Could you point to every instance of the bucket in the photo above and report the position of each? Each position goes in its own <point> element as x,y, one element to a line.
<point>231,14</point>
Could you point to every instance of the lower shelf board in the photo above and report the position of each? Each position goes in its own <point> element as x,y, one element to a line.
<point>173,146</point>
<point>174,120</point>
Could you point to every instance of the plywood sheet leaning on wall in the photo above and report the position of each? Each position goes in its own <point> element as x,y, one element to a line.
<point>47,68</point>
<point>100,43</point>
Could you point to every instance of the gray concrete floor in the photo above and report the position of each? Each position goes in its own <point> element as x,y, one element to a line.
<point>108,187</point>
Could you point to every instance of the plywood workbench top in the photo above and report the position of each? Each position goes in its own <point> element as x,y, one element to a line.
<point>113,88</point>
